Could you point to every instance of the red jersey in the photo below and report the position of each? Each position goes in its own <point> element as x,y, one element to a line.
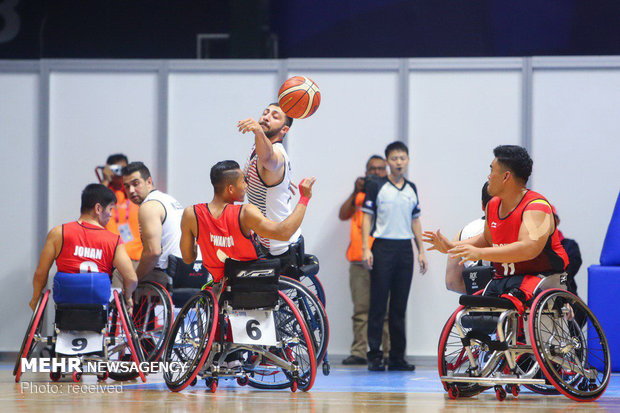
<point>221,238</point>
<point>86,248</point>
<point>552,259</point>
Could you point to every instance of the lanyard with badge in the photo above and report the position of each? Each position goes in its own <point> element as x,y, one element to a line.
<point>123,229</point>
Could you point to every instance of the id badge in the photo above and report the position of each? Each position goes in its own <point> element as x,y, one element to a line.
<point>125,232</point>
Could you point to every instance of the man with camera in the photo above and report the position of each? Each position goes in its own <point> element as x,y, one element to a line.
<point>124,220</point>
<point>359,276</point>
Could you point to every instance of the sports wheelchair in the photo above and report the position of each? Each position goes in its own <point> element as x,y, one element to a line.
<point>254,322</point>
<point>87,326</point>
<point>556,346</point>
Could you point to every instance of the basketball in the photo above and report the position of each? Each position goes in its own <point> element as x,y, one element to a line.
<point>299,97</point>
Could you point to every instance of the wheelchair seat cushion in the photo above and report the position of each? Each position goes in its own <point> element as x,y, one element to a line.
<point>84,288</point>
<point>252,284</point>
<point>483,301</point>
<point>83,317</point>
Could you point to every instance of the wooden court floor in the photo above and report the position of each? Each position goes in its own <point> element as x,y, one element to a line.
<point>345,390</point>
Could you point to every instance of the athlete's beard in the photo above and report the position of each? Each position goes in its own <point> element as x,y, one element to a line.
<point>271,133</point>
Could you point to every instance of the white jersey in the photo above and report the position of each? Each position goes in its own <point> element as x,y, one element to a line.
<point>275,202</point>
<point>171,226</point>
<point>471,230</point>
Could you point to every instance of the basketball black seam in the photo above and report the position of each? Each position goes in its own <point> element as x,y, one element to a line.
<point>305,93</point>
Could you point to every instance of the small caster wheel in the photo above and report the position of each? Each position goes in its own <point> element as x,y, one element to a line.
<point>513,389</point>
<point>76,376</point>
<point>294,386</point>
<point>453,392</point>
<point>500,393</point>
<point>55,375</point>
<point>103,376</point>
<point>243,381</point>
<point>213,386</point>
<point>193,383</point>
<point>326,369</point>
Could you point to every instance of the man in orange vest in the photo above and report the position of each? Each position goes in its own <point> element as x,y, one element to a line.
<point>124,220</point>
<point>359,276</point>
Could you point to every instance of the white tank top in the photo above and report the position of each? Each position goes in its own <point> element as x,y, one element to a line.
<point>470,230</point>
<point>275,202</point>
<point>171,227</point>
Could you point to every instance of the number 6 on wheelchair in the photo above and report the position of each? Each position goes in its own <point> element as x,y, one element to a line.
<point>252,330</point>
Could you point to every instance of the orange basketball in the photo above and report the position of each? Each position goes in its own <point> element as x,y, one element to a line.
<point>299,97</point>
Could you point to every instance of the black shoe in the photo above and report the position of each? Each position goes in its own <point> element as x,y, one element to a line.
<point>376,364</point>
<point>354,361</point>
<point>400,365</point>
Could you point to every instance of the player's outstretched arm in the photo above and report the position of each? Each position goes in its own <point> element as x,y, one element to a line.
<point>253,219</point>
<point>268,158</point>
<point>189,230</point>
<point>122,262</point>
<point>51,249</point>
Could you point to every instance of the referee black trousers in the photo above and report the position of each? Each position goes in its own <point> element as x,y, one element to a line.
<point>390,280</point>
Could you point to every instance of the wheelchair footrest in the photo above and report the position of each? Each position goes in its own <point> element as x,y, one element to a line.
<point>482,301</point>
<point>491,381</point>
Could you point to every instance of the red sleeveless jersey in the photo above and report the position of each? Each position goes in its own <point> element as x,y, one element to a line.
<point>221,238</point>
<point>86,248</point>
<point>552,259</point>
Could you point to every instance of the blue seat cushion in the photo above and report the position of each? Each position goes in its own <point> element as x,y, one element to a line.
<point>603,289</point>
<point>610,255</point>
<point>83,288</point>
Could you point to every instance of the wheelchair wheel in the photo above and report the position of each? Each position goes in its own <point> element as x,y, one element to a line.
<point>125,345</point>
<point>34,329</point>
<point>573,355</point>
<point>525,364</point>
<point>452,359</point>
<point>152,318</point>
<point>312,312</point>
<point>314,284</point>
<point>297,347</point>
<point>191,339</point>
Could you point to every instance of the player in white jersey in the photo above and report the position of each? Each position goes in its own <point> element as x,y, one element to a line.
<point>160,223</point>
<point>268,172</point>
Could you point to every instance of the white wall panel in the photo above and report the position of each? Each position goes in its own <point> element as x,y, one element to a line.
<point>455,121</point>
<point>203,112</point>
<point>357,118</point>
<point>19,249</point>
<point>576,147</point>
<point>93,115</point>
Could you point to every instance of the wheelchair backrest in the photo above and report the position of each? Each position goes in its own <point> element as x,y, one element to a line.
<point>83,317</point>
<point>187,275</point>
<point>251,284</point>
<point>477,277</point>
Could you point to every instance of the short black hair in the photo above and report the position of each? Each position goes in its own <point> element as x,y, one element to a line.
<point>117,157</point>
<point>485,195</point>
<point>373,157</point>
<point>288,121</point>
<point>222,174</point>
<point>137,167</point>
<point>516,159</point>
<point>396,146</point>
<point>95,194</point>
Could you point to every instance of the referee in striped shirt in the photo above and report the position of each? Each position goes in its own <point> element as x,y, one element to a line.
<point>392,216</point>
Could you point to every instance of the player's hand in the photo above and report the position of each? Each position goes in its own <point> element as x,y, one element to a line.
<point>438,241</point>
<point>367,258</point>
<point>305,187</point>
<point>423,263</point>
<point>249,125</point>
<point>465,252</point>
<point>33,303</point>
<point>359,185</point>
<point>129,303</point>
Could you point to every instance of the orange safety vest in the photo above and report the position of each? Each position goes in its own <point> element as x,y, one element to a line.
<point>354,252</point>
<point>126,212</point>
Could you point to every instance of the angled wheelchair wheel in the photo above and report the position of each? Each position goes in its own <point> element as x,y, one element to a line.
<point>123,341</point>
<point>452,359</point>
<point>297,348</point>
<point>312,311</point>
<point>191,339</point>
<point>34,329</point>
<point>315,286</point>
<point>570,345</point>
